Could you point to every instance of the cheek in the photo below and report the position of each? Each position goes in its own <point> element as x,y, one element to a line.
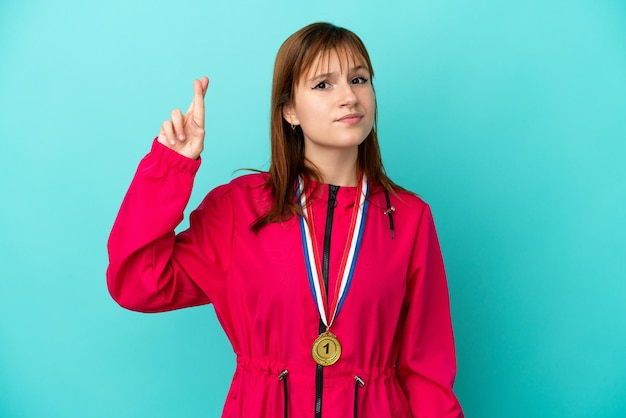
<point>369,102</point>
<point>311,110</point>
<point>371,99</point>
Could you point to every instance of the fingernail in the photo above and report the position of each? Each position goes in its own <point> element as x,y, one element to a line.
<point>181,137</point>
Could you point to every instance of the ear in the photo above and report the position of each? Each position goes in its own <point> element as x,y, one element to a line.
<point>289,113</point>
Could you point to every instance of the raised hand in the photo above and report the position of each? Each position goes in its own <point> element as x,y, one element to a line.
<point>185,133</point>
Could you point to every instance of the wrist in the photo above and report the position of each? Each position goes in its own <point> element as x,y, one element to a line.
<point>175,159</point>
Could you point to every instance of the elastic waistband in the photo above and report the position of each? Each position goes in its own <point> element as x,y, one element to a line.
<point>336,373</point>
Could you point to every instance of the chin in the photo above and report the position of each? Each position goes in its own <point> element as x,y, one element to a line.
<point>351,140</point>
<point>347,144</point>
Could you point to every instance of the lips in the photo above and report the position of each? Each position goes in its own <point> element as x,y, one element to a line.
<point>351,118</point>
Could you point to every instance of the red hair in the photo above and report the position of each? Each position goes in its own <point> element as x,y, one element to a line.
<point>294,59</point>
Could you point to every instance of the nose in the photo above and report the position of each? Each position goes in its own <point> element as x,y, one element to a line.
<point>347,95</point>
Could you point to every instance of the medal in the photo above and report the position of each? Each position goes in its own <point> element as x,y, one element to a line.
<point>326,347</point>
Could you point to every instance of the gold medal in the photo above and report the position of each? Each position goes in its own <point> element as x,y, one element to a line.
<point>326,349</point>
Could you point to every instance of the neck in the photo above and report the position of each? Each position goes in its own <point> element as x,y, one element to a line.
<point>336,166</point>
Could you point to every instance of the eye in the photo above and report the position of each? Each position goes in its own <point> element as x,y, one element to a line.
<point>322,85</point>
<point>359,80</point>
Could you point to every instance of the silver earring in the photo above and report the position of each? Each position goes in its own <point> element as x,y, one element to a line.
<point>293,127</point>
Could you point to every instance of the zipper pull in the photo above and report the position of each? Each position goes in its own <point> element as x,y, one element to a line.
<point>332,195</point>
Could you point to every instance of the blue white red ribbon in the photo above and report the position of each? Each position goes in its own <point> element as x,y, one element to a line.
<point>348,260</point>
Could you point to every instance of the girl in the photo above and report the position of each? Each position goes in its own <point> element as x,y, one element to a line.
<point>326,276</point>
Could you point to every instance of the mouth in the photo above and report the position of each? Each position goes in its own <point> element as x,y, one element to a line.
<point>351,118</point>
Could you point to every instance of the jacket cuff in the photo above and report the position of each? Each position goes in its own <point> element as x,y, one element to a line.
<point>173,159</point>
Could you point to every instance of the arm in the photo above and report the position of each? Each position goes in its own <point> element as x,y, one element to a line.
<point>427,362</point>
<point>150,268</point>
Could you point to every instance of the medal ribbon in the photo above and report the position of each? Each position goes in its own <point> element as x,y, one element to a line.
<point>348,260</point>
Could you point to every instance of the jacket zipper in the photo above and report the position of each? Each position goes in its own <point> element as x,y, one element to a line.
<point>319,373</point>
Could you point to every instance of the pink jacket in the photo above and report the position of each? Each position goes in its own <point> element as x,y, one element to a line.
<point>394,326</point>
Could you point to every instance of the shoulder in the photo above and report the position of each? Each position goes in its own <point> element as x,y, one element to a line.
<point>248,181</point>
<point>409,212</point>
<point>247,194</point>
<point>252,187</point>
<point>410,200</point>
<point>400,199</point>
<point>244,184</point>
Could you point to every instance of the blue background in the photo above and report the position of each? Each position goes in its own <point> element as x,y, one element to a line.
<point>507,117</point>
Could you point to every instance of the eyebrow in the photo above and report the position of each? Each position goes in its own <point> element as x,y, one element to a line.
<point>326,75</point>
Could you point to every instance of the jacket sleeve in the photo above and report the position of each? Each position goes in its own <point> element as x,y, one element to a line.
<point>151,269</point>
<point>426,365</point>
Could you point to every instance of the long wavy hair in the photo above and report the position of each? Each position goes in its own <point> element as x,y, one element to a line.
<point>294,59</point>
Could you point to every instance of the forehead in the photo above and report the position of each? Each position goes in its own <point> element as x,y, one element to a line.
<point>341,58</point>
